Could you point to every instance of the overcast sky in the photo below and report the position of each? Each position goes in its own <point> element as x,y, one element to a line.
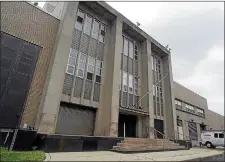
<point>195,33</point>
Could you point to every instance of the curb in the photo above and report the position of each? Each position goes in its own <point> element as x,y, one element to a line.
<point>205,158</point>
<point>47,157</point>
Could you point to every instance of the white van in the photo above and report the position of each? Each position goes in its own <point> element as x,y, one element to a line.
<point>212,138</point>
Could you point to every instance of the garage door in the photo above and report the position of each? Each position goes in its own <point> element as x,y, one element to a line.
<point>192,130</point>
<point>75,120</point>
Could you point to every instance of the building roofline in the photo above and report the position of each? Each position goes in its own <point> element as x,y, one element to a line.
<point>134,26</point>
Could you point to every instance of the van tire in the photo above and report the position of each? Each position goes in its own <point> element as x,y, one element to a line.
<point>209,145</point>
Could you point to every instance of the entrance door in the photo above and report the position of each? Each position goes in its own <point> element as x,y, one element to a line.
<point>158,125</point>
<point>130,125</point>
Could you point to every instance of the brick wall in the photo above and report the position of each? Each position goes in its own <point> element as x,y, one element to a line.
<point>31,24</point>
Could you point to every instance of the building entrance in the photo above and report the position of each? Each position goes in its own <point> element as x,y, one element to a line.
<point>130,125</point>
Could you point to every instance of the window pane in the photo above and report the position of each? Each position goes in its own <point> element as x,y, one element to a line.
<point>99,64</point>
<point>98,72</point>
<point>81,65</point>
<point>73,53</point>
<point>91,61</point>
<point>131,81</point>
<point>221,135</point>
<point>89,76</point>
<point>80,73</point>
<point>124,81</point>
<point>82,57</point>
<point>152,62</point>
<point>130,90</point>
<point>125,47</point>
<point>87,25</point>
<point>101,38</point>
<point>72,61</point>
<point>216,135</point>
<point>78,26</point>
<point>135,92</point>
<point>90,69</point>
<point>80,13</point>
<point>131,50</point>
<point>98,79</point>
<point>70,69</point>
<point>95,29</point>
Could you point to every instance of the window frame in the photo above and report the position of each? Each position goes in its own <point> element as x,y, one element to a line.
<point>136,86</point>
<point>77,22</point>
<point>125,81</point>
<point>131,50</point>
<point>78,68</point>
<point>98,68</point>
<point>221,134</point>
<point>216,135</point>
<point>92,65</point>
<point>73,57</point>
<point>124,40</point>
<point>136,52</point>
<point>130,83</point>
<point>87,22</point>
<point>102,26</point>
<point>97,32</point>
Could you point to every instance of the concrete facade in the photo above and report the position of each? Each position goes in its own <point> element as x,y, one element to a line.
<point>102,67</point>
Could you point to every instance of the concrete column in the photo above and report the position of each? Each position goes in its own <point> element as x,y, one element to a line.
<point>185,129</point>
<point>170,110</point>
<point>139,126</point>
<point>198,131</point>
<point>108,113</point>
<point>146,83</point>
<point>54,83</point>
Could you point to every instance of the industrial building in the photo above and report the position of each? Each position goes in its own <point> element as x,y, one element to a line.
<point>90,71</point>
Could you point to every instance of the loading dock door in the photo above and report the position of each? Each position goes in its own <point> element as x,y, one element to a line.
<point>192,128</point>
<point>75,120</point>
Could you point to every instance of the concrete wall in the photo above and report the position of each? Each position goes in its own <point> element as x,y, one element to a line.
<point>215,121</point>
<point>189,96</point>
<point>31,24</point>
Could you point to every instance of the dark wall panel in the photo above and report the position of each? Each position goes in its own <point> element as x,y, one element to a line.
<point>18,60</point>
<point>75,120</point>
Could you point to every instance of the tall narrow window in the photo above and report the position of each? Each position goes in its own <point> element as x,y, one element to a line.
<point>90,68</point>
<point>125,47</point>
<point>71,62</point>
<point>87,25</point>
<point>81,65</point>
<point>98,71</point>
<point>79,21</point>
<point>102,33</point>
<point>136,86</point>
<point>124,81</point>
<point>130,84</point>
<point>131,49</point>
<point>95,30</point>
<point>152,58</point>
<point>136,52</point>
<point>153,90</point>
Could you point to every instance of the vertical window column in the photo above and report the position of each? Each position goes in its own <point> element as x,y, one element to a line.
<point>79,21</point>
<point>71,62</point>
<point>98,71</point>
<point>87,25</point>
<point>81,65</point>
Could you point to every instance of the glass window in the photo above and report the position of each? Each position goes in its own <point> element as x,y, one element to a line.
<point>120,80</point>
<point>81,65</point>
<point>131,49</point>
<point>98,71</point>
<point>152,58</point>
<point>87,25</point>
<point>91,64</point>
<point>215,135</point>
<point>153,90</point>
<point>71,61</point>
<point>177,102</point>
<point>102,33</point>
<point>221,135</point>
<point>125,81</point>
<point>130,84</point>
<point>79,21</point>
<point>125,47</point>
<point>95,31</point>
<point>136,52</point>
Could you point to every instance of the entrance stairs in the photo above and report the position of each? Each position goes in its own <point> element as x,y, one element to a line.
<point>146,144</point>
<point>132,145</point>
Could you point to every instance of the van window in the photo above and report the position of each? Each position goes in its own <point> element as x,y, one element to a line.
<point>221,135</point>
<point>216,135</point>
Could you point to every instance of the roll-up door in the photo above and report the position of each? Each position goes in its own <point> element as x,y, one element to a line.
<point>75,120</point>
<point>192,128</point>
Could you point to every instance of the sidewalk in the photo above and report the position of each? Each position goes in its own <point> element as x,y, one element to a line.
<point>182,155</point>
